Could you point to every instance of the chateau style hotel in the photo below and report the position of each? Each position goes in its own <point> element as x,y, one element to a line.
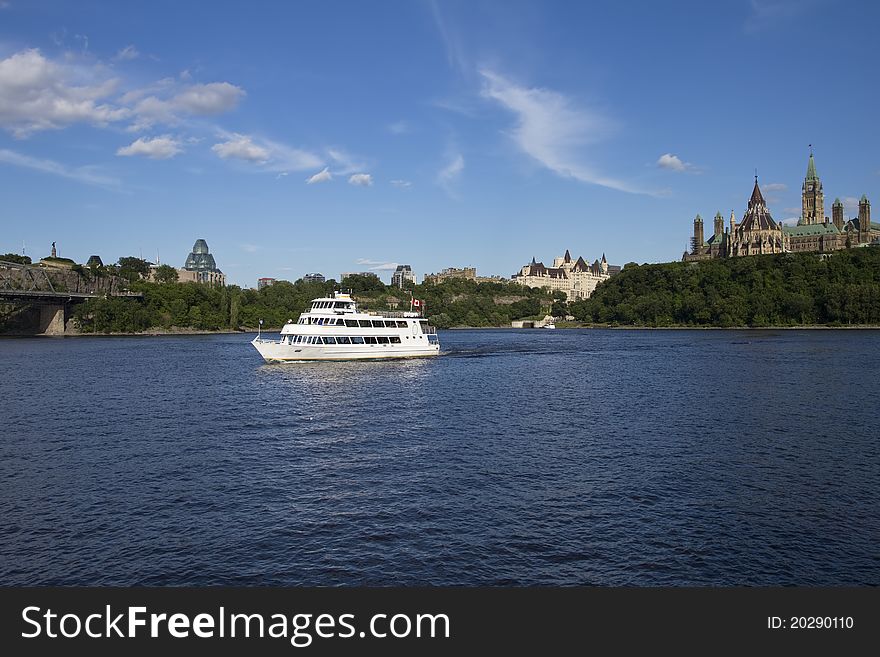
<point>758,233</point>
<point>574,277</point>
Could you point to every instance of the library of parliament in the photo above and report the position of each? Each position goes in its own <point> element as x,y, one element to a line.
<point>758,233</point>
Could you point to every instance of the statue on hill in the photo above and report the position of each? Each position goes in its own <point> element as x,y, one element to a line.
<point>54,254</point>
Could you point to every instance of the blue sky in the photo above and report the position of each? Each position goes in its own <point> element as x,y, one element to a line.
<point>346,136</point>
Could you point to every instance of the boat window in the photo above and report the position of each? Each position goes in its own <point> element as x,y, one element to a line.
<point>365,323</point>
<point>395,339</point>
<point>339,304</point>
<point>370,339</point>
<point>357,340</point>
<point>401,324</point>
<point>382,340</point>
<point>351,322</point>
<point>329,340</point>
<point>378,323</point>
<point>343,340</point>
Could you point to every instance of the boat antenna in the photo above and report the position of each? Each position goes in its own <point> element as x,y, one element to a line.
<point>260,329</point>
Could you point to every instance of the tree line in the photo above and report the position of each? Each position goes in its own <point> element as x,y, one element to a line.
<point>786,289</point>
<point>169,304</point>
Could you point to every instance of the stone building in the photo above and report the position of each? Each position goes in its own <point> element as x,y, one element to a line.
<point>574,277</point>
<point>200,267</point>
<point>758,233</point>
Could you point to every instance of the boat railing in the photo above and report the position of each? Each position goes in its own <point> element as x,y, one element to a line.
<point>394,314</point>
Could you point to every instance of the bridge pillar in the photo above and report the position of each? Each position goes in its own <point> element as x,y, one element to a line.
<point>53,319</point>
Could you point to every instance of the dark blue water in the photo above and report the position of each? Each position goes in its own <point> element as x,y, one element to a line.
<point>517,457</point>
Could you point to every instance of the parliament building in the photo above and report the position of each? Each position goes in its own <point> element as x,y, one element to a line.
<point>758,233</point>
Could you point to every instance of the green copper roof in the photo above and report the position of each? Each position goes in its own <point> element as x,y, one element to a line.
<point>864,199</point>
<point>812,229</point>
<point>811,169</point>
<point>837,202</point>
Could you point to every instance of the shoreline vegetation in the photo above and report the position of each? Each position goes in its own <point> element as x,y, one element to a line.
<point>791,291</point>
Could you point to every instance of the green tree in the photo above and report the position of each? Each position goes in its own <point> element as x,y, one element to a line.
<point>14,257</point>
<point>133,269</point>
<point>165,274</point>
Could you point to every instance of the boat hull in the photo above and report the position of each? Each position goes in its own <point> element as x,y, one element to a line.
<point>276,352</point>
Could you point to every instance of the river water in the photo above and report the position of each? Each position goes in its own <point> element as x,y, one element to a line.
<point>594,457</point>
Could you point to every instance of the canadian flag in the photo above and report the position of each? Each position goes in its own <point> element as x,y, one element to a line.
<point>417,303</point>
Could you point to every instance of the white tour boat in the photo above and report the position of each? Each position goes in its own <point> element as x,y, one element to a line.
<point>334,329</point>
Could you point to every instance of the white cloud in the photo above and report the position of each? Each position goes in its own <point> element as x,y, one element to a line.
<point>322,176</point>
<point>39,94</point>
<point>774,187</point>
<point>269,155</point>
<point>401,184</point>
<point>671,162</point>
<point>377,265</point>
<point>127,53</point>
<point>361,179</point>
<point>550,129</point>
<point>209,99</point>
<point>241,147</point>
<point>158,148</point>
<point>90,175</point>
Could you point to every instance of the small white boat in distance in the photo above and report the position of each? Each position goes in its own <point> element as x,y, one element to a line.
<point>334,329</point>
<point>551,325</point>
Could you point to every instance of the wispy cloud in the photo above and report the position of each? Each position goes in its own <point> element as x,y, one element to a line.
<point>765,14</point>
<point>674,163</point>
<point>450,173</point>
<point>455,54</point>
<point>158,148</point>
<point>774,187</point>
<point>361,180</point>
<point>322,176</point>
<point>850,204</point>
<point>399,128</point>
<point>376,265</point>
<point>89,175</point>
<point>344,163</point>
<point>401,184</point>
<point>127,53</point>
<point>551,129</point>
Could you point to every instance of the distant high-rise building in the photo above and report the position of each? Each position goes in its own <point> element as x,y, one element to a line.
<point>314,278</point>
<point>264,282</point>
<point>402,275</point>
